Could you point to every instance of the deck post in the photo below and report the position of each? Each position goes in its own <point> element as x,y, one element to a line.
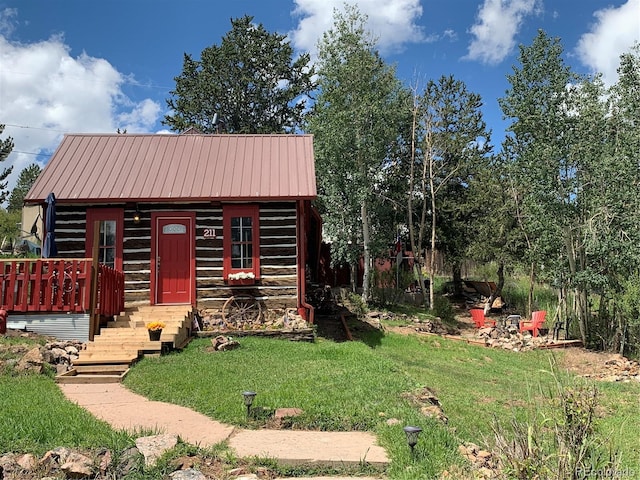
<point>94,318</point>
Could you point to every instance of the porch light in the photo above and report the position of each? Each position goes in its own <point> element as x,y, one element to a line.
<point>136,216</point>
<point>248,400</point>
<point>412,436</point>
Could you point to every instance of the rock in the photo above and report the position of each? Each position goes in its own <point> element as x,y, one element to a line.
<point>287,412</point>
<point>183,463</point>
<point>77,466</point>
<point>128,461</point>
<point>31,361</point>
<point>59,355</point>
<point>104,460</point>
<point>26,462</point>
<point>239,471</point>
<point>71,350</point>
<point>56,457</point>
<point>189,474</point>
<point>393,421</point>
<point>222,343</point>
<point>154,446</point>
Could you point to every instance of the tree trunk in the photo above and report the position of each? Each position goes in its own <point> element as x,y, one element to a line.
<point>580,302</point>
<point>532,281</point>
<point>432,191</point>
<point>366,237</point>
<point>499,287</point>
<point>457,279</point>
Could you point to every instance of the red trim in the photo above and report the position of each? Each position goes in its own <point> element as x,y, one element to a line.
<point>155,217</point>
<point>102,215</point>
<point>228,212</point>
<point>301,241</point>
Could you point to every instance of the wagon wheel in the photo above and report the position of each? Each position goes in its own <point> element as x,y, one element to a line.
<point>240,311</point>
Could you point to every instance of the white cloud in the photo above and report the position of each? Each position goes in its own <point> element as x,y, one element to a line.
<point>392,22</point>
<point>44,92</point>
<point>496,27</point>
<point>7,21</point>
<point>614,33</point>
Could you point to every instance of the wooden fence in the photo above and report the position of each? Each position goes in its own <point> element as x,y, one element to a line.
<point>59,285</point>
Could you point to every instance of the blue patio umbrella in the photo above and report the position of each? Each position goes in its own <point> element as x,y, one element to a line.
<point>49,249</point>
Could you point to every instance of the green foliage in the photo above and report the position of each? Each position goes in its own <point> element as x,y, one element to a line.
<point>355,120</point>
<point>516,292</point>
<point>6,146</point>
<point>353,303</point>
<point>569,136</point>
<point>250,81</point>
<point>443,309</point>
<point>26,179</point>
<point>558,438</point>
<point>388,286</point>
<point>9,221</point>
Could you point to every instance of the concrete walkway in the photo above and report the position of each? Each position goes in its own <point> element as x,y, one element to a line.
<point>126,410</point>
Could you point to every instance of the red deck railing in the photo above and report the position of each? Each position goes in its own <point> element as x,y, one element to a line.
<point>59,285</point>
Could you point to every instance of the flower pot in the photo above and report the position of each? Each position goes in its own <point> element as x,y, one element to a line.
<point>154,335</point>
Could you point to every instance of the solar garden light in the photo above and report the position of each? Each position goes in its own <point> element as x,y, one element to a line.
<point>412,436</point>
<point>248,400</point>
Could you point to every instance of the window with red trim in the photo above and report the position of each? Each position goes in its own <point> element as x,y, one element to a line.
<point>241,232</point>
<point>111,223</point>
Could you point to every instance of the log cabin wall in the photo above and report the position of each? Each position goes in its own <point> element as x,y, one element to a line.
<point>277,286</point>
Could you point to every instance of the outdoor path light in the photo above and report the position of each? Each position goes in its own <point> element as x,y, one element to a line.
<point>248,400</point>
<point>412,436</point>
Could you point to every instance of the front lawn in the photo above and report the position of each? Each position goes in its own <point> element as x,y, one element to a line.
<point>351,386</point>
<point>358,385</point>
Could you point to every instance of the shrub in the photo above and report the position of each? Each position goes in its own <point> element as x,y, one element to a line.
<point>443,309</point>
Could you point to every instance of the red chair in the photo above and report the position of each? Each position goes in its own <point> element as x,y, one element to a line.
<point>477,314</point>
<point>537,319</point>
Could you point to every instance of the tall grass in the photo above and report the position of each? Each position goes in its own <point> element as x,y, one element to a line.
<point>516,294</point>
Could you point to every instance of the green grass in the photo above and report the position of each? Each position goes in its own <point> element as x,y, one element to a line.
<point>36,417</point>
<point>340,386</point>
<point>350,386</point>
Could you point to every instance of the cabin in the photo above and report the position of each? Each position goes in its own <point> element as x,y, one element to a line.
<point>189,219</point>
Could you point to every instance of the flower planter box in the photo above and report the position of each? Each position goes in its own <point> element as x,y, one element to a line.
<point>241,281</point>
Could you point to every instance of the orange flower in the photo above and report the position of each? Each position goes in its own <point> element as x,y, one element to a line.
<point>155,326</point>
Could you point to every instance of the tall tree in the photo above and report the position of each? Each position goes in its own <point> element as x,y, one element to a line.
<point>249,84</point>
<point>356,121</point>
<point>26,179</point>
<point>612,237</point>
<point>544,169</point>
<point>6,146</point>
<point>450,138</point>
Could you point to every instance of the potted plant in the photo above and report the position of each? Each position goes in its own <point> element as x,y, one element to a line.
<point>241,278</point>
<point>155,330</point>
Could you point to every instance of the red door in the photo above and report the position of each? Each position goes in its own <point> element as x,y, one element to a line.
<point>174,259</point>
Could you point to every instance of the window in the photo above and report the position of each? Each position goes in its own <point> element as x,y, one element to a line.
<point>110,237</point>
<point>107,243</point>
<point>241,240</point>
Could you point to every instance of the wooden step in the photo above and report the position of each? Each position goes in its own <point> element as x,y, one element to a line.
<point>121,342</point>
<point>105,359</point>
<point>74,376</point>
<point>115,369</point>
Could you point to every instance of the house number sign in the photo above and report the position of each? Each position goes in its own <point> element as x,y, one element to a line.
<point>209,233</point>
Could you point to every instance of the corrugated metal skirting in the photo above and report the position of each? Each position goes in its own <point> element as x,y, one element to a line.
<point>63,326</point>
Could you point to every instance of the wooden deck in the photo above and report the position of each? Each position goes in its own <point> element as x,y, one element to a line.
<point>122,342</point>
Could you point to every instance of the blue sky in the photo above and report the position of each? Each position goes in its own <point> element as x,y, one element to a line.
<point>70,66</point>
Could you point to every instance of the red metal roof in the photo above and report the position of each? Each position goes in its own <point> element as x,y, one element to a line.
<point>101,168</point>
